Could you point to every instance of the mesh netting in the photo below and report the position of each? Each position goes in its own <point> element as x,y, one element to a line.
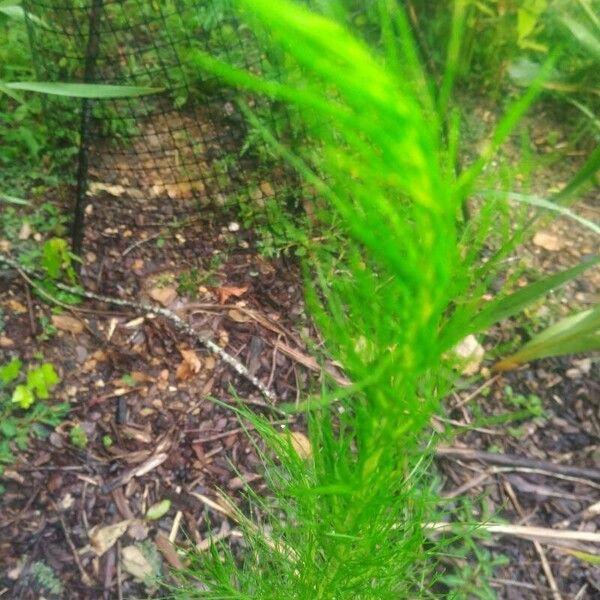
<point>186,147</point>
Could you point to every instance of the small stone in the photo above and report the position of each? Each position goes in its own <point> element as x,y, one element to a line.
<point>584,365</point>
<point>233,226</point>
<point>81,353</point>
<point>548,241</point>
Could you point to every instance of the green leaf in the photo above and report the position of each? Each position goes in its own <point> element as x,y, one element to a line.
<point>54,254</point>
<point>13,200</point>
<point>158,510</point>
<point>78,437</point>
<point>578,333</point>
<point>589,40</point>
<point>82,90</point>
<point>10,371</point>
<point>41,379</point>
<point>8,427</point>
<point>50,375</point>
<point>14,11</point>
<point>516,302</point>
<point>588,170</point>
<point>549,205</point>
<point>23,396</point>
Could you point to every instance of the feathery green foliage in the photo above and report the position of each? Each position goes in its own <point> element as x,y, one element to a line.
<point>347,522</point>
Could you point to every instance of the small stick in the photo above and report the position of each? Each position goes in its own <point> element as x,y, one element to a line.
<point>30,310</point>
<point>538,547</point>
<point>84,576</point>
<point>148,309</point>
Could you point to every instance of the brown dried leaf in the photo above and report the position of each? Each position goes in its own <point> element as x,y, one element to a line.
<point>67,323</point>
<point>6,342</point>
<point>189,367</point>
<point>164,295</point>
<point>104,538</point>
<point>167,549</point>
<point>224,293</point>
<point>26,231</point>
<point>136,564</point>
<point>300,443</point>
<point>238,316</point>
<point>15,306</point>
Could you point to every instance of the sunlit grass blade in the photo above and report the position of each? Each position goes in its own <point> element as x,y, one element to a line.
<point>539,202</point>
<point>576,333</point>
<point>82,90</point>
<point>514,303</point>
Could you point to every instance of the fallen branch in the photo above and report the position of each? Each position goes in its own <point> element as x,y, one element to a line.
<point>518,461</point>
<point>147,309</point>
<point>542,534</point>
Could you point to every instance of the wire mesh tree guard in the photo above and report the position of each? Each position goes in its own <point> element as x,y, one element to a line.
<point>188,146</point>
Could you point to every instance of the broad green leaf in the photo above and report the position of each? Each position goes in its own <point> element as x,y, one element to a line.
<point>14,11</point>
<point>53,256</point>
<point>514,303</point>
<point>50,375</point>
<point>13,200</point>
<point>10,93</point>
<point>8,427</point>
<point>577,333</point>
<point>10,371</point>
<point>82,90</point>
<point>23,396</point>
<point>41,379</point>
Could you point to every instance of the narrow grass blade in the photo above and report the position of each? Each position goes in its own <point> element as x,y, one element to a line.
<point>13,200</point>
<point>587,171</point>
<point>577,333</point>
<point>548,205</point>
<point>514,303</point>
<point>82,90</point>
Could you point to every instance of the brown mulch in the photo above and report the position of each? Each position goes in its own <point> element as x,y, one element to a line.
<point>131,378</point>
<point>138,382</point>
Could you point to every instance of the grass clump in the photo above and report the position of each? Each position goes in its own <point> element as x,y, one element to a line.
<point>350,518</point>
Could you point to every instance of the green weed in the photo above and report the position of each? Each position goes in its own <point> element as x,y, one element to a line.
<point>350,520</point>
<point>23,407</point>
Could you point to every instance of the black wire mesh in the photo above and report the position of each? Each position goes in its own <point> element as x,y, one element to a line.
<point>184,148</point>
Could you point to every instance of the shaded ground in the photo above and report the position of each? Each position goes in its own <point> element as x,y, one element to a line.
<point>140,392</point>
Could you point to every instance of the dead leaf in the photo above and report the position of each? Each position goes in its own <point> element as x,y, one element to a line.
<point>138,530</point>
<point>26,231</point>
<point>224,293</point>
<point>98,186</point>
<point>67,323</point>
<point>6,342</point>
<point>189,367</point>
<point>237,483</point>
<point>15,306</point>
<point>164,295</point>
<point>104,538</point>
<point>471,353</point>
<point>136,564</point>
<point>238,317</point>
<point>167,549</point>
<point>548,241</point>
<point>301,444</point>
<point>267,189</point>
